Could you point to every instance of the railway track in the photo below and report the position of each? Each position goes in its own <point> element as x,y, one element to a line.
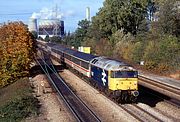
<point>141,114</point>
<point>138,112</point>
<point>168,90</point>
<point>80,111</point>
<point>161,97</point>
<point>134,110</point>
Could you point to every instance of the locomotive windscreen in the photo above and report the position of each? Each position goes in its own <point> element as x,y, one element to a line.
<point>124,74</point>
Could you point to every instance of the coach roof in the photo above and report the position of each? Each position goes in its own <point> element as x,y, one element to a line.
<point>84,56</point>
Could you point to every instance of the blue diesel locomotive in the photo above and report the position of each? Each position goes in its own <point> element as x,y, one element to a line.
<point>114,77</point>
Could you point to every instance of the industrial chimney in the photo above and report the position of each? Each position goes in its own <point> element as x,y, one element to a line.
<point>88,13</point>
<point>32,25</point>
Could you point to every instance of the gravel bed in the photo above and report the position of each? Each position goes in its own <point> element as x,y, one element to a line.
<point>169,110</point>
<point>52,108</point>
<point>156,113</point>
<point>107,110</point>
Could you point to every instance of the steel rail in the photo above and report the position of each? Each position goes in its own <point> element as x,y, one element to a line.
<point>59,93</point>
<point>165,89</point>
<point>173,102</point>
<point>136,116</point>
<point>88,115</point>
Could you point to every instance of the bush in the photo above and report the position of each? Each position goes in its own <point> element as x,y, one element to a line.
<point>123,44</point>
<point>19,109</point>
<point>169,51</point>
<point>151,55</point>
<point>138,52</point>
<point>123,50</point>
<point>163,55</point>
<point>104,48</point>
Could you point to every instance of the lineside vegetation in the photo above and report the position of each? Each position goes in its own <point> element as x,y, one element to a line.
<point>136,30</point>
<point>17,46</point>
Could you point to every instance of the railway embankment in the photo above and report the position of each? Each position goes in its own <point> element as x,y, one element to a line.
<point>17,101</point>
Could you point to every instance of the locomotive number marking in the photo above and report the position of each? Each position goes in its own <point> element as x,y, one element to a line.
<point>103,77</point>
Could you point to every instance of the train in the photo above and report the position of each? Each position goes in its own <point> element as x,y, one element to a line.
<point>114,77</point>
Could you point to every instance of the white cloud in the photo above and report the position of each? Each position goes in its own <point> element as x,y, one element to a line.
<point>46,13</point>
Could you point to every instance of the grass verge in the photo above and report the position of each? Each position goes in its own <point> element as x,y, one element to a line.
<point>17,101</point>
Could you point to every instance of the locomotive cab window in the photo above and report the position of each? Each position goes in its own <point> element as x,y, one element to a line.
<point>124,74</point>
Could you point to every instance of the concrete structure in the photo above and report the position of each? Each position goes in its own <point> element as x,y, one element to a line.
<point>32,25</point>
<point>51,27</point>
<point>88,13</point>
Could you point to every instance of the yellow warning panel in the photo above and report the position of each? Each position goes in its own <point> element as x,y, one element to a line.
<point>84,49</point>
<point>87,50</point>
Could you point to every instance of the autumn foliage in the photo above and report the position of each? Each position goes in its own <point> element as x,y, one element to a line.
<point>16,52</point>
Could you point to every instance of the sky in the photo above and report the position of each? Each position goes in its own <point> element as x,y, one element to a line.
<point>70,11</point>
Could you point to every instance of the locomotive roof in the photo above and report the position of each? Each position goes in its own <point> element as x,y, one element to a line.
<point>110,64</point>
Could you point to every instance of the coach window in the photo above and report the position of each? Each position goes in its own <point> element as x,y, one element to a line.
<point>73,59</point>
<point>84,64</point>
<point>78,61</point>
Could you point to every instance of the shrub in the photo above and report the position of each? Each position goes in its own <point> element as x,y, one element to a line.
<point>169,51</point>
<point>162,55</point>
<point>138,52</point>
<point>19,109</point>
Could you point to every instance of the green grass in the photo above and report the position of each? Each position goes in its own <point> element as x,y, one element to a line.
<point>17,101</point>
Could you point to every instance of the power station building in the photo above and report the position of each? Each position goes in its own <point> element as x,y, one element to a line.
<point>44,27</point>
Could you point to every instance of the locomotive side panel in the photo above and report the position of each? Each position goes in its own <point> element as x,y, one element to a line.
<point>100,76</point>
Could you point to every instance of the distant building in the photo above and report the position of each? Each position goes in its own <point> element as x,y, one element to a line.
<point>51,27</point>
<point>44,27</point>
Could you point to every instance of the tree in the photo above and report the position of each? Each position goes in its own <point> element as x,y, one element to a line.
<point>68,38</point>
<point>55,39</point>
<point>169,18</point>
<point>81,31</point>
<point>35,34</point>
<point>121,14</point>
<point>17,47</point>
<point>47,39</point>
